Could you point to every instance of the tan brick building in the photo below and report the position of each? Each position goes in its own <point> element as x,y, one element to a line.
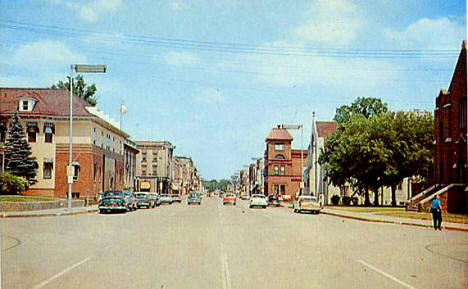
<point>98,143</point>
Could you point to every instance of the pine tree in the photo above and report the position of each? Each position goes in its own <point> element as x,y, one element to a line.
<point>18,159</point>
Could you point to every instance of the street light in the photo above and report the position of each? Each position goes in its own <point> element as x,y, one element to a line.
<point>79,68</point>
<point>297,126</point>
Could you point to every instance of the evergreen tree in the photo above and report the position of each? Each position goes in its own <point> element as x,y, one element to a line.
<point>18,159</point>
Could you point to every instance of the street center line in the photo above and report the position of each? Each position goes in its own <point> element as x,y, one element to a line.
<point>56,276</point>
<point>224,270</point>
<point>386,275</point>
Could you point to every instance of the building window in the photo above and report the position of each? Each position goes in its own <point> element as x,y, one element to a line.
<point>279,157</point>
<point>441,132</point>
<point>279,147</point>
<point>77,172</point>
<point>94,171</point>
<point>462,113</point>
<point>155,170</point>
<point>48,132</point>
<point>282,170</point>
<point>143,156</point>
<point>3,130</point>
<point>276,170</point>
<point>31,128</point>
<point>25,105</point>
<point>47,170</point>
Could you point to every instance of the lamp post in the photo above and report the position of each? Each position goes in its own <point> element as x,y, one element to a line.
<point>298,126</point>
<point>78,68</point>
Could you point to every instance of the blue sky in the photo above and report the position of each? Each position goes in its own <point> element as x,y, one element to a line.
<point>213,77</point>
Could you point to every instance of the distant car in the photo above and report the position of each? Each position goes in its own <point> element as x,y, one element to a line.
<point>229,199</point>
<point>194,198</point>
<point>143,200</point>
<point>166,199</point>
<point>114,200</point>
<point>258,200</point>
<point>154,199</point>
<point>273,200</point>
<point>176,198</point>
<point>307,204</point>
<point>244,197</point>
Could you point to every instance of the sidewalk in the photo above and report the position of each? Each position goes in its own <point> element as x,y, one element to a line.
<point>51,212</point>
<point>373,217</point>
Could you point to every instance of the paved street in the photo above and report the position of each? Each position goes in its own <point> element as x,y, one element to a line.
<point>216,246</point>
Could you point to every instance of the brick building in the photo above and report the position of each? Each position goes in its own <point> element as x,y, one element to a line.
<point>282,173</point>
<point>97,141</point>
<point>450,131</point>
<point>184,173</point>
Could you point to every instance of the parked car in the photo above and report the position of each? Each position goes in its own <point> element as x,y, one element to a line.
<point>176,198</point>
<point>274,200</point>
<point>307,204</point>
<point>114,200</point>
<point>154,199</point>
<point>131,200</point>
<point>244,197</point>
<point>142,200</point>
<point>166,199</point>
<point>258,200</point>
<point>229,199</point>
<point>194,198</point>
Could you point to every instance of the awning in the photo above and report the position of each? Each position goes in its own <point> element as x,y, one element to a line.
<point>32,127</point>
<point>48,160</point>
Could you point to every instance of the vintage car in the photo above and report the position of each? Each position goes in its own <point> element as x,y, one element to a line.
<point>143,200</point>
<point>154,199</point>
<point>166,199</point>
<point>176,198</point>
<point>307,203</point>
<point>194,198</point>
<point>229,199</point>
<point>274,200</point>
<point>258,200</point>
<point>131,200</point>
<point>244,197</point>
<point>115,200</point>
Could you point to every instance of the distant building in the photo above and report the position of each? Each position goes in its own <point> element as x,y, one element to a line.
<point>154,166</point>
<point>98,142</point>
<point>184,175</point>
<point>282,174</point>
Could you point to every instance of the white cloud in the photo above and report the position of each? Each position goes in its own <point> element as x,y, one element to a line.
<point>334,23</point>
<point>92,10</point>
<point>441,33</point>
<point>181,58</point>
<point>46,55</point>
<point>211,95</point>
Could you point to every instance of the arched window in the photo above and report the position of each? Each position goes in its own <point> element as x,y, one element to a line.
<point>279,157</point>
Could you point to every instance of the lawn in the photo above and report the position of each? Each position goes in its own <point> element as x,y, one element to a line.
<point>363,209</point>
<point>16,198</point>
<point>446,217</point>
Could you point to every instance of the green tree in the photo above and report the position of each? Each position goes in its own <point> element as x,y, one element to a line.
<point>11,184</point>
<point>18,159</point>
<point>80,88</point>
<point>365,106</point>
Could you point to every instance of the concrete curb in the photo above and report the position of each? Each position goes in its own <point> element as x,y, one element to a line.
<point>4,215</point>
<point>454,228</point>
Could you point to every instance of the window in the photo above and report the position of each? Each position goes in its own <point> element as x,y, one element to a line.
<point>276,170</point>
<point>279,147</point>
<point>31,129</point>
<point>143,156</point>
<point>441,132</point>
<point>462,113</point>
<point>3,130</point>
<point>48,132</point>
<point>279,157</point>
<point>155,170</point>
<point>47,170</point>
<point>94,171</point>
<point>25,105</point>
<point>77,171</point>
<point>282,170</point>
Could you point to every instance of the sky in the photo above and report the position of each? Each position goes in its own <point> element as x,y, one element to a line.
<point>213,77</point>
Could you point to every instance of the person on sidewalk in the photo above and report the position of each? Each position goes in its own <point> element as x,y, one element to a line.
<point>436,213</point>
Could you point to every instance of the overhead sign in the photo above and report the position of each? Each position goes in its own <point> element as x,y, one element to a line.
<point>145,185</point>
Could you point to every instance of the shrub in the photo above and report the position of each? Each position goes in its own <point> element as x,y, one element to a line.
<point>346,200</point>
<point>335,199</point>
<point>354,201</point>
<point>12,185</point>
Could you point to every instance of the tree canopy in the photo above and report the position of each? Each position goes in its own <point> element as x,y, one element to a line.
<point>80,88</point>
<point>365,106</point>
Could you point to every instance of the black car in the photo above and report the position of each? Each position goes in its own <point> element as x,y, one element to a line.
<point>273,200</point>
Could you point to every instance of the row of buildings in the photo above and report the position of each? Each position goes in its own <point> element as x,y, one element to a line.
<point>280,170</point>
<point>104,156</point>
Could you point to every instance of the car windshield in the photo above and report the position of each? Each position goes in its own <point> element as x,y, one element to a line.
<point>308,199</point>
<point>229,196</point>
<point>110,194</point>
<point>139,195</point>
<point>175,196</point>
<point>258,196</point>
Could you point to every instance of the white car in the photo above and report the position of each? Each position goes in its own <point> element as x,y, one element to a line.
<point>308,204</point>
<point>258,200</point>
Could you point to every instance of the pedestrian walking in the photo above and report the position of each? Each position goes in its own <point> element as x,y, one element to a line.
<point>436,213</point>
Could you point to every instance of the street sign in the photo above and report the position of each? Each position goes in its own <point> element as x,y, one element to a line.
<point>70,171</point>
<point>70,179</point>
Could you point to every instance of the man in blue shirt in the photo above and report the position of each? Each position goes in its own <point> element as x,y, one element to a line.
<point>436,213</point>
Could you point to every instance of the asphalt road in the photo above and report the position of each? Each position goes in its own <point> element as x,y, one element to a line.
<point>216,246</point>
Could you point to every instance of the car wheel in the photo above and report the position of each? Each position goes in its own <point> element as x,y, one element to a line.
<point>264,207</point>
<point>101,211</point>
<point>250,206</point>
